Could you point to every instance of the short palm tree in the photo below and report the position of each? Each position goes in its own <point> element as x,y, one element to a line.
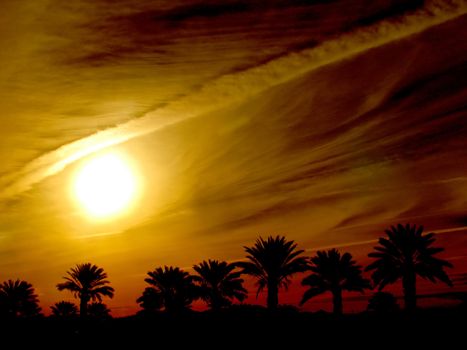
<point>219,283</point>
<point>406,253</point>
<point>18,299</point>
<point>87,282</point>
<point>273,262</point>
<point>174,287</point>
<point>151,300</point>
<point>98,311</point>
<point>383,302</point>
<point>64,310</point>
<point>335,273</point>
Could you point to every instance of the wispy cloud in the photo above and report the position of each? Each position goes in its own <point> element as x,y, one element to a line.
<point>232,88</point>
<point>460,230</point>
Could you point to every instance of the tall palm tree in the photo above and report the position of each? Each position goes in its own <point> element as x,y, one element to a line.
<point>87,282</point>
<point>219,283</point>
<point>18,299</point>
<point>405,254</point>
<point>335,273</point>
<point>64,310</point>
<point>173,286</point>
<point>273,262</point>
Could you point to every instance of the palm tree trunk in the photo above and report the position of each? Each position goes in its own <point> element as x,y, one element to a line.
<point>410,292</point>
<point>215,301</point>
<point>337,301</point>
<point>215,305</point>
<point>83,308</point>
<point>273,296</point>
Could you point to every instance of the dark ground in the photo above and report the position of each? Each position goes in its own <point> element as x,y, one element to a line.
<point>248,328</point>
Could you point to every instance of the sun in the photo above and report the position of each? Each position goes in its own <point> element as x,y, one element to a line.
<point>105,186</point>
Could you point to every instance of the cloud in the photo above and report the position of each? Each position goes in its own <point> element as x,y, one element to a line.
<point>233,88</point>
<point>209,9</point>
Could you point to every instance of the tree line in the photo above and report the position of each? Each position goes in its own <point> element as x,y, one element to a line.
<point>403,254</point>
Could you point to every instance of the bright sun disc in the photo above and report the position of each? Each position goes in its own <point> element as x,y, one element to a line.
<point>105,186</point>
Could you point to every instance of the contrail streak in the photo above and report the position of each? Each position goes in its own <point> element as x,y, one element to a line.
<point>233,88</point>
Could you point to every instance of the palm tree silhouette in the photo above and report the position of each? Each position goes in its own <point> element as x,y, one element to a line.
<point>64,310</point>
<point>273,262</point>
<point>219,284</point>
<point>405,254</point>
<point>87,282</point>
<point>335,273</point>
<point>383,302</point>
<point>98,311</point>
<point>173,286</point>
<point>151,300</point>
<point>18,299</point>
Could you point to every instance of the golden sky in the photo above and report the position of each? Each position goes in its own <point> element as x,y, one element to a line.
<point>323,121</point>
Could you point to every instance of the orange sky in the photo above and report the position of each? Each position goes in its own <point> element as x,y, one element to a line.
<point>325,122</point>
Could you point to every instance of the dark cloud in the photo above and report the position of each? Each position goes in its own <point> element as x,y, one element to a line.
<point>459,220</point>
<point>171,33</point>
<point>204,9</point>
<point>378,11</point>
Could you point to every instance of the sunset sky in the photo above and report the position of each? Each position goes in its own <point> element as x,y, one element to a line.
<point>325,121</point>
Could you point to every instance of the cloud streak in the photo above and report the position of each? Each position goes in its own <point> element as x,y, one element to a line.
<point>233,88</point>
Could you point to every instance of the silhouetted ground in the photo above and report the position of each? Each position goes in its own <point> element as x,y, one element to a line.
<point>248,327</point>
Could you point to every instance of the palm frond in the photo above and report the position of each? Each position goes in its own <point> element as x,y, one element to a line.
<point>404,247</point>
<point>334,272</point>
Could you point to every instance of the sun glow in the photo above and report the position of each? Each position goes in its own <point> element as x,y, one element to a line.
<point>105,186</point>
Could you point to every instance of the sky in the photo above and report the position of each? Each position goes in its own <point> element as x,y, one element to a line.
<point>325,121</point>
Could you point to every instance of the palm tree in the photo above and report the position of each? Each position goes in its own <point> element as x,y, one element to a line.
<point>87,282</point>
<point>64,310</point>
<point>18,299</point>
<point>405,254</point>
<point>273,262</point>
<point>219,284</point>
<point>335,273</point>
<point>151,300</point>
<point>98,311</point>
<point>383,302</point>
<point>173,286</point>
